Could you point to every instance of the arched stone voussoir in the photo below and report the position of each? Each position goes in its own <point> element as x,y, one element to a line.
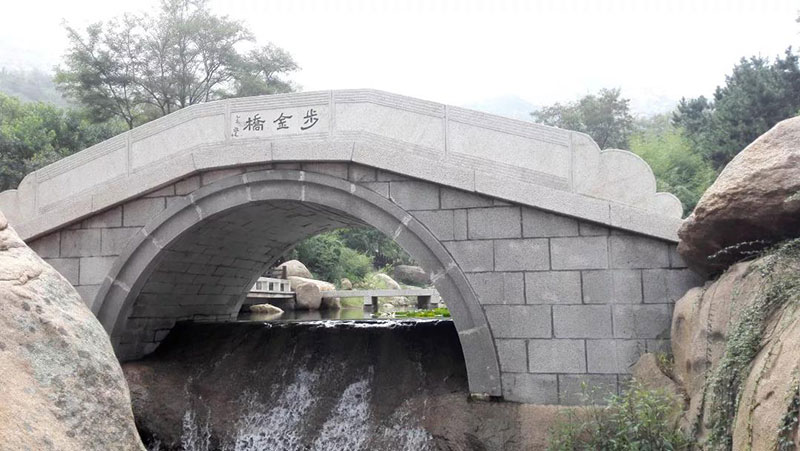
<point>320,194</point>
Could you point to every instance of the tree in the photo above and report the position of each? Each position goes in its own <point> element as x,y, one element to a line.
<point>677,167</point>
<point>259,72</point>
<point>379,247</point>
<point>33,135</point>
<point>140,67</point>
<point>756,96</point>
<point>328,258</point>
<point>605,117</point>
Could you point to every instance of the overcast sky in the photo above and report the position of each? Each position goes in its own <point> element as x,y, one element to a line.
<point>464,51</point>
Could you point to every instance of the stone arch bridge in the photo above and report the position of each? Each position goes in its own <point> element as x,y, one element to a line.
<point>557,260</point>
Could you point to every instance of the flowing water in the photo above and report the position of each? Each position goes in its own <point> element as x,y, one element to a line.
<point>319,385</point>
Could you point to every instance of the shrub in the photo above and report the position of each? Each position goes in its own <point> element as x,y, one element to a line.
<point>640,420</point>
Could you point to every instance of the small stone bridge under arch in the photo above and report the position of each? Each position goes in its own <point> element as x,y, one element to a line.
<point>556,259</point>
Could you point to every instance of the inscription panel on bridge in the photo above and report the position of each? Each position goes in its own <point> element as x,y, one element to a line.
<point>306,120</point>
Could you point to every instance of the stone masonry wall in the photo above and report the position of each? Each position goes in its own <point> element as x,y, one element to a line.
<point>567,301</point>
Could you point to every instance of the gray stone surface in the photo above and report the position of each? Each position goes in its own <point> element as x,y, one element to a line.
<point>94,269</point>
<point>413,195</point>
<point>48,246</point>
<point>617,286</point>
<point>668,285</point>
<point>519,321</point>
<point>577,389</point>
<point>80,243</point>
<point>553,287</point>
<point>138,212</point>
<point>582,321</point>
<point>633,251</point>
<point>556,356</point>
<point>591,229</point>
<point>452,198</point>
<point>495,222</point>
<point>521,255</point>
<point>439,222</point>
<point>187,185</point>
<point>113,241</point>
<point>473,256</point>
<point>512,356</point>
<point>538,223</point>
<point>498,287</point>
<point>67,267</point>
<point>530,388</point>
<point>579,252</point>
<point>108,218</point>
<point>613,356</point>
<point>642,321</point>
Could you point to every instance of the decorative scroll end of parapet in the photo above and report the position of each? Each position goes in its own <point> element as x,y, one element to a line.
<point>9,204</point>
<point>619,176</point>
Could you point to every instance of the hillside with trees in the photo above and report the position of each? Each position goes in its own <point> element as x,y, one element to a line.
<point>690,147</point>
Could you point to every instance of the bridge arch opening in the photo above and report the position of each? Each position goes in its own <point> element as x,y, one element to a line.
<point>201,256</point>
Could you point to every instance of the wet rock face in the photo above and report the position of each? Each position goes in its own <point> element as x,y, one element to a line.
<point>754,201</point>
<point>61,387</point>
<point>321,387</point>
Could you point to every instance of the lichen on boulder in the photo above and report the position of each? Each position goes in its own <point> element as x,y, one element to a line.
<point>735,346</point>
<point>61,387</point>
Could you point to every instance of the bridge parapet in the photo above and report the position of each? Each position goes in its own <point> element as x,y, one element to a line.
<point>544,167</point>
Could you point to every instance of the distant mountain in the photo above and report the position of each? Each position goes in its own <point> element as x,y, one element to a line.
<point>31,85</point>
<point>509,105</point>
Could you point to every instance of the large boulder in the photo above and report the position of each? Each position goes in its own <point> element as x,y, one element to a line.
<point>735,344</point>
<point>295,268</point>
<point>412,275</point>
<point>754,201</point>
<point>383,281</point>
<point>61,387</point>
<point>327,302</point>
<point>387,282</point>
<point>266,308</point>
<point>307,296</point>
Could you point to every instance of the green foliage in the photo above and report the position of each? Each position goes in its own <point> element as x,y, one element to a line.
<point>382,249</point>
<point>788,427</point>
<point>757,95</point>
<point>439,312</point>
<point>640,420</point>
<point>780,286</point>
<point>605,117</point>
<point>328,258</point>
<point>140,67</point>
<point>678,169</point>
<point>33,135</point>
